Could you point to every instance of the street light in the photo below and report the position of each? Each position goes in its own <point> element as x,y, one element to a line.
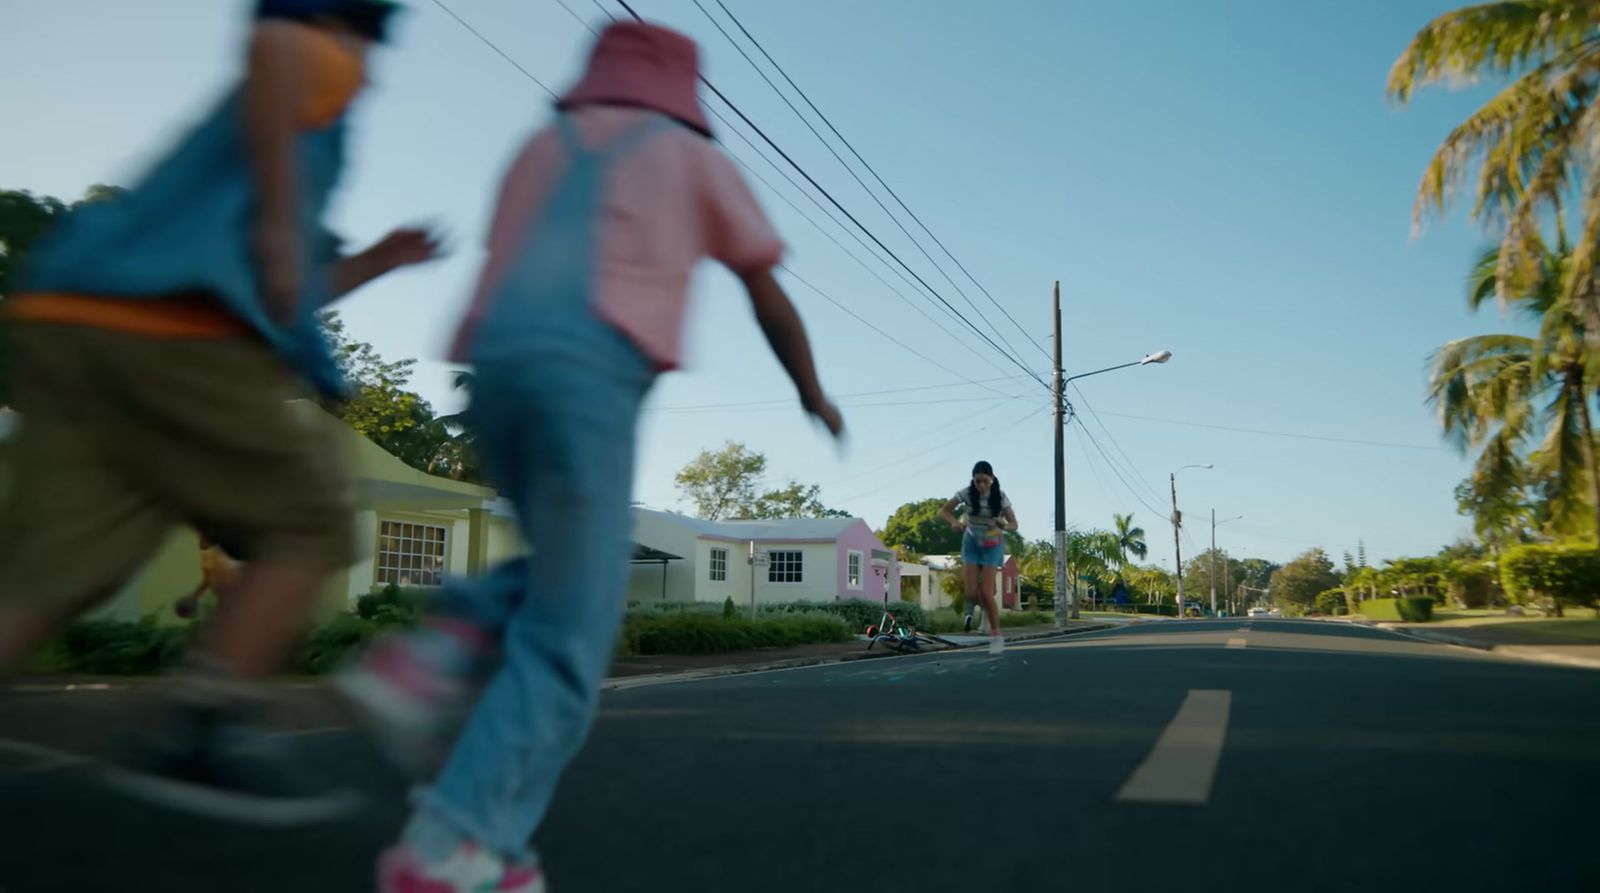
<point>1214,525</point>
<point>1159,357</point>
<point>1177,522</point>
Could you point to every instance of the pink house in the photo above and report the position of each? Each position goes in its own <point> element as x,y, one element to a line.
<point>796,559</point>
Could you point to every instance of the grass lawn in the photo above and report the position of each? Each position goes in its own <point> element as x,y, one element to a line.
<point>1580,626</point>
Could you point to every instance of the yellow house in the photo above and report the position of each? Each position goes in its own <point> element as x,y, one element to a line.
<point>415,529</point>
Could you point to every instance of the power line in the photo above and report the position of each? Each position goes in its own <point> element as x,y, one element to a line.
<point>819,228</point>
<point>917,455</point>
<point>581,20</point>
<point>1109,464</point>
<point>809,219</point>
<point>530,76</point>
<point>609,14</point>
<point>926,387</point>
<point>1264,433</point>
<point>868,166</point>
<point>732,106</point>
<point>490,44</point>
<point>857,317</point>
<point>824,209</point>
<point>829,146</point>
<point>1130,465</point>
<point>923,471</point>
<point>936,402</point>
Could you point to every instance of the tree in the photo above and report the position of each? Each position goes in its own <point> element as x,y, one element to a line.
<point>1295,586</point>
<point>1533,138</point>
<point>1524,404</point>
<point>794,500</point>
<point>918,527</point>
<point>1130,539</point>
<point>1197,575</point>
<point>722,484</point>
<point>24,218</point>
<point>378,405</point>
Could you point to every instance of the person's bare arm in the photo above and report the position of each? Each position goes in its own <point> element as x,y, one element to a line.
<point>787,336</point>
<point>1010,519</point>
<point>400,248</point>
<point>948,513</point>
<point>276,85</point>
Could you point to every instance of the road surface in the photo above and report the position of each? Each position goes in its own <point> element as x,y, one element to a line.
<point>1238,755</point>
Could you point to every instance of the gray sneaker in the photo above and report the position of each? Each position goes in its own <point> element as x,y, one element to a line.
<point>211,762</point>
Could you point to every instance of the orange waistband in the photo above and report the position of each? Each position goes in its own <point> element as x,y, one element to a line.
<point>184,316</point>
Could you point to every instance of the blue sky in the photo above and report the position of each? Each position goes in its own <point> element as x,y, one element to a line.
<point>1221,179</point>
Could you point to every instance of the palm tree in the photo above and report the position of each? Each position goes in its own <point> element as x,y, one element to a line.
<point>1533,137</point>
<point>456,437</point>
<point>1523,400</point>
<point>1130,539</point>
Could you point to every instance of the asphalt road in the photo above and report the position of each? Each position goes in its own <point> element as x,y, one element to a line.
<point>1264,755</point>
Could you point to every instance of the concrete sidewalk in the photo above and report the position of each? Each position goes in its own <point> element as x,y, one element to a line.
<point>653,669</point>
<point>1499,640</point>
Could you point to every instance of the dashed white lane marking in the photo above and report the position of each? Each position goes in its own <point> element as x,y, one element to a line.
<point>1183,764</point>
<point>1236,643</point>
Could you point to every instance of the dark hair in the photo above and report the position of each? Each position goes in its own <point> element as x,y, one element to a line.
<point>994,491</point>
<point>369,18</point>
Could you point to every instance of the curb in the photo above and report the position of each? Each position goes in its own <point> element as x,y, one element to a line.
<point>621,683</point>
<point>1528,653</point>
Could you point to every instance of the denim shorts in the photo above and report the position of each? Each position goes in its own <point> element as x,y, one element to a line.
<point>973,552</point>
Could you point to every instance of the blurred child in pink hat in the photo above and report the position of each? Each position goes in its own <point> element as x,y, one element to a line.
<point>600,222</point>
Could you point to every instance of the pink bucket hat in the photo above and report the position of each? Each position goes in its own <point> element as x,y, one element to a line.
<point>643,65</point>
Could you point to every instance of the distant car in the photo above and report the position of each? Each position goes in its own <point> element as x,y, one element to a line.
<point>1258,612</point>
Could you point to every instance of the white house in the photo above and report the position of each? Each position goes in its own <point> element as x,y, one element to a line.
<point>798,559</point>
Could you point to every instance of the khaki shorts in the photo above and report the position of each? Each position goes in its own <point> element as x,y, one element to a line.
<point>123,437</point>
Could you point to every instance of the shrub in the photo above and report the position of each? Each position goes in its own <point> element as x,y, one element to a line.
<point>1472,584</point>
<point>858,613</point>
<point>1380,609</point>
<point>1415,608</point>
<point>727,608</point>
<point>392,606</point>
<point>330,645</point>
<point>1162,609</point>
<point>703,634</point>
<point>118,647</point>
<point>1330,600</point>
<point>1551,575</point>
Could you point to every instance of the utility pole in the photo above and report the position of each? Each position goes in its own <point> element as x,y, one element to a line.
<point>1177,550</point>
<point>1062,610</point>
<point>1213,562</point>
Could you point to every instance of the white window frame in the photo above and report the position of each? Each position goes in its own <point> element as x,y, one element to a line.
<point>786,562</point>
<point>403,552</point>
<point>854,563</point>
<point>712,565</point>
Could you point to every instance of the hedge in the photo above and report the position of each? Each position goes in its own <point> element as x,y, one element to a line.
<point>695,633</point>
<point>1553,575</point>
<point>1380,609</point>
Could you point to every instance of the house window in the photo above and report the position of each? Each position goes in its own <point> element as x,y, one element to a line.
<point>784,567</point>
<point>853,575</point>
<point>719,565</point>
<point>410,554</point>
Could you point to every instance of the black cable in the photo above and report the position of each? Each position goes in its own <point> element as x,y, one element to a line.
<point>1129,464</point>
<point>732,106</point>
<point>925,387</point>
<point>857,317</point>
<point>823,208</point>
<point>869,167</point>
<point>819,227</point>
<point>581,20</point>
<point>490,44</point>
<point>1264,433</point>
<point>1109,464</point>
<point>921,471</point>
<point>846,165</point>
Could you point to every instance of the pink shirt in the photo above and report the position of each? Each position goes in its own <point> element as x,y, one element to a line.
<point>672,200</point>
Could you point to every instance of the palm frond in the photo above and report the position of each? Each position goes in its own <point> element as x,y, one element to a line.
<point>1494,37</point>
